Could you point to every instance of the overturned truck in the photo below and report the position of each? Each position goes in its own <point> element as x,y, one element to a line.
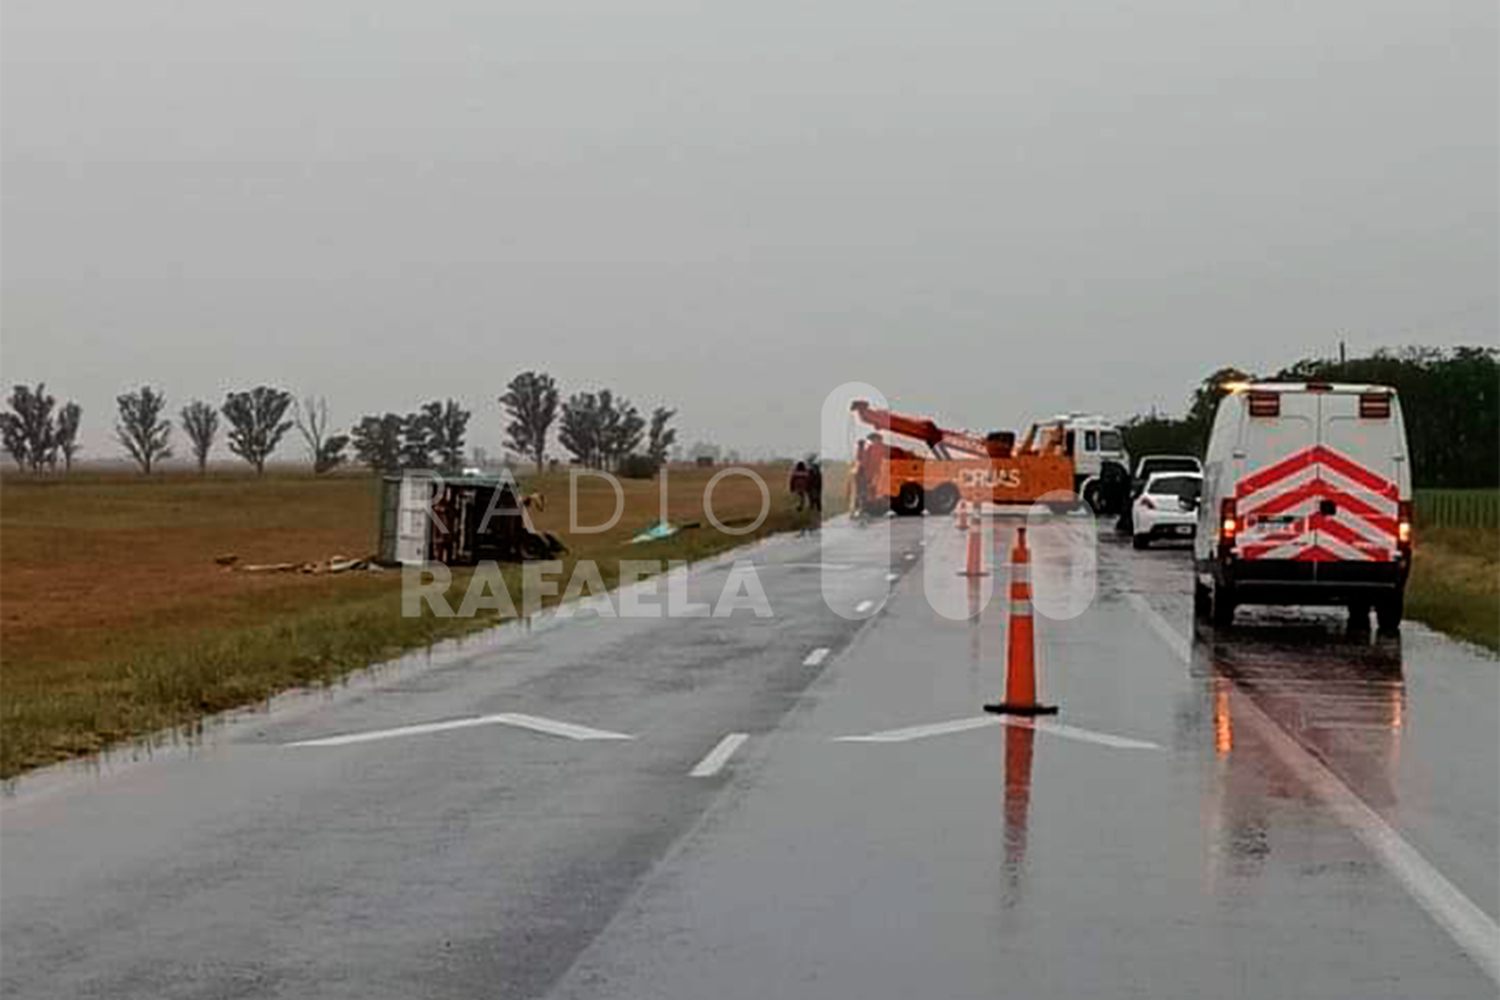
<point>459,521</point>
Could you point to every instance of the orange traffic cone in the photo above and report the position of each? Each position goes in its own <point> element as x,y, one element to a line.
<point>963,515</point>
<point>974,561</point>
<point>1020,667</point>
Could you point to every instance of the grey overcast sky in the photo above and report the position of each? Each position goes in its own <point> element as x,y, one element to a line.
<point>992,210</point>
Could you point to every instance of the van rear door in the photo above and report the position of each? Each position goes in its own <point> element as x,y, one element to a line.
<point>1359,470</point>
<point>1278,470</point>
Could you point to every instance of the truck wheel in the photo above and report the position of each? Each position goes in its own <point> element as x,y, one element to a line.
<point>1093,495</point>
<point>532,547</point>
<point>943,499</point>
<point>1223,606</point>
<point>909,502</point>
<point>1140,541</point>
<point>1388,612</point>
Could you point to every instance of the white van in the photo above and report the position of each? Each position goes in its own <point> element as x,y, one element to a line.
<point>1306,500</point>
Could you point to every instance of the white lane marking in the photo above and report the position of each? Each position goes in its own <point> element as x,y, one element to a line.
<point>816,657</point>
<point>918,732</point>
<point>1084,735</point>
<point>981,721</point>
<point>910,555</point>
<point>532,722</point>
<point>863,606</point>
<point>892,577</point>
<point>1470,927</point>
<point>719,756</point>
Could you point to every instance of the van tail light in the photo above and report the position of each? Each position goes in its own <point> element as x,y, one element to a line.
<point>1404,514</point>
<point>1374,406</point>
<point>1265,404</point>
<point>1229,527</point>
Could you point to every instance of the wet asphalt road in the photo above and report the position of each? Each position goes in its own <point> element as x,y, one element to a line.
<point>1285,808</point>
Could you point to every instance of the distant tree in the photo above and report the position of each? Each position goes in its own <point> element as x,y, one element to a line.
<point>377,442</point>
<point>579,431</point>
<point>13,437</point>
<point>311,419</point>
<point>447,423</point>
<point>28,430</point>
<point>416,442</point>
<point>621,428</point>
<point>660,438</point>
<point>142,429</point>
<point>331,455</point>
<point>255,421</point>
<point>531,400</point>
<point>66,435</point>
<point>200,422</point>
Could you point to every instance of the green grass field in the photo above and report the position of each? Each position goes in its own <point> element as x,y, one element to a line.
<point>1455,583</point>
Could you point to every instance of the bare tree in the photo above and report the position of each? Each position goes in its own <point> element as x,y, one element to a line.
<point>531,400</point>
<point>66,435</point>
<point>142,429</point>
<point>201,424</point>
<point>255,420</point>
<point>311,418</point>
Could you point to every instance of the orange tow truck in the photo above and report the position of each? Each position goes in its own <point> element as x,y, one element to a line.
<point>961,466</point>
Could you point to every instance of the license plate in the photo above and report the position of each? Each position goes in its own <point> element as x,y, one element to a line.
<point>1184,529</point>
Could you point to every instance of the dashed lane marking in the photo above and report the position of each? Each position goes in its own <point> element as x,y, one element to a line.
<point>863,606</point>
<point>816,657</point>
<point>551,727</point>
<point>1470,927</point>
<point>714,762</point>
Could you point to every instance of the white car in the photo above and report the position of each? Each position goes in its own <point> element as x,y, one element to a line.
<point>1167,507</point>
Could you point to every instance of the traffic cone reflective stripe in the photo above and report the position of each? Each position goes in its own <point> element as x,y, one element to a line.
<point>1020,659</point>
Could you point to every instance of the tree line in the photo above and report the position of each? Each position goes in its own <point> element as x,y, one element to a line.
<point>1450,400</point>
<point>600,429</point>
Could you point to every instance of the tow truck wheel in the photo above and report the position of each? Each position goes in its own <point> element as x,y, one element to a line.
<point>909,501</point>
<point>1093,495</point>
<point>944,498</point>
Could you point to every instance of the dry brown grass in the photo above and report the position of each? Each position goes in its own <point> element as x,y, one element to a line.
<point>115,619</point>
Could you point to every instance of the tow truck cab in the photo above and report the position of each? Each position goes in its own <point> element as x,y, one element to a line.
<point>1101,466</point>
<point>1306,500</point>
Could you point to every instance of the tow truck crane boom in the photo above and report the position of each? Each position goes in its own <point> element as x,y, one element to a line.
<point>941,440</point>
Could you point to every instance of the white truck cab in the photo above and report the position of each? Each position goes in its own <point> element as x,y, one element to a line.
<point>1094,443</point>
<point>1306,500</point>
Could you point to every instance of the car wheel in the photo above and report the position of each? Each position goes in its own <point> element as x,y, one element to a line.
<point>1388,613</point>
<point>1140,541</point>
<point>909,501</point>
<point>944,499</point>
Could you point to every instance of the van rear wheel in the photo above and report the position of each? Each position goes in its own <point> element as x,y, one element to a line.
<point>1389,611</point>
<point>1223,606</point>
